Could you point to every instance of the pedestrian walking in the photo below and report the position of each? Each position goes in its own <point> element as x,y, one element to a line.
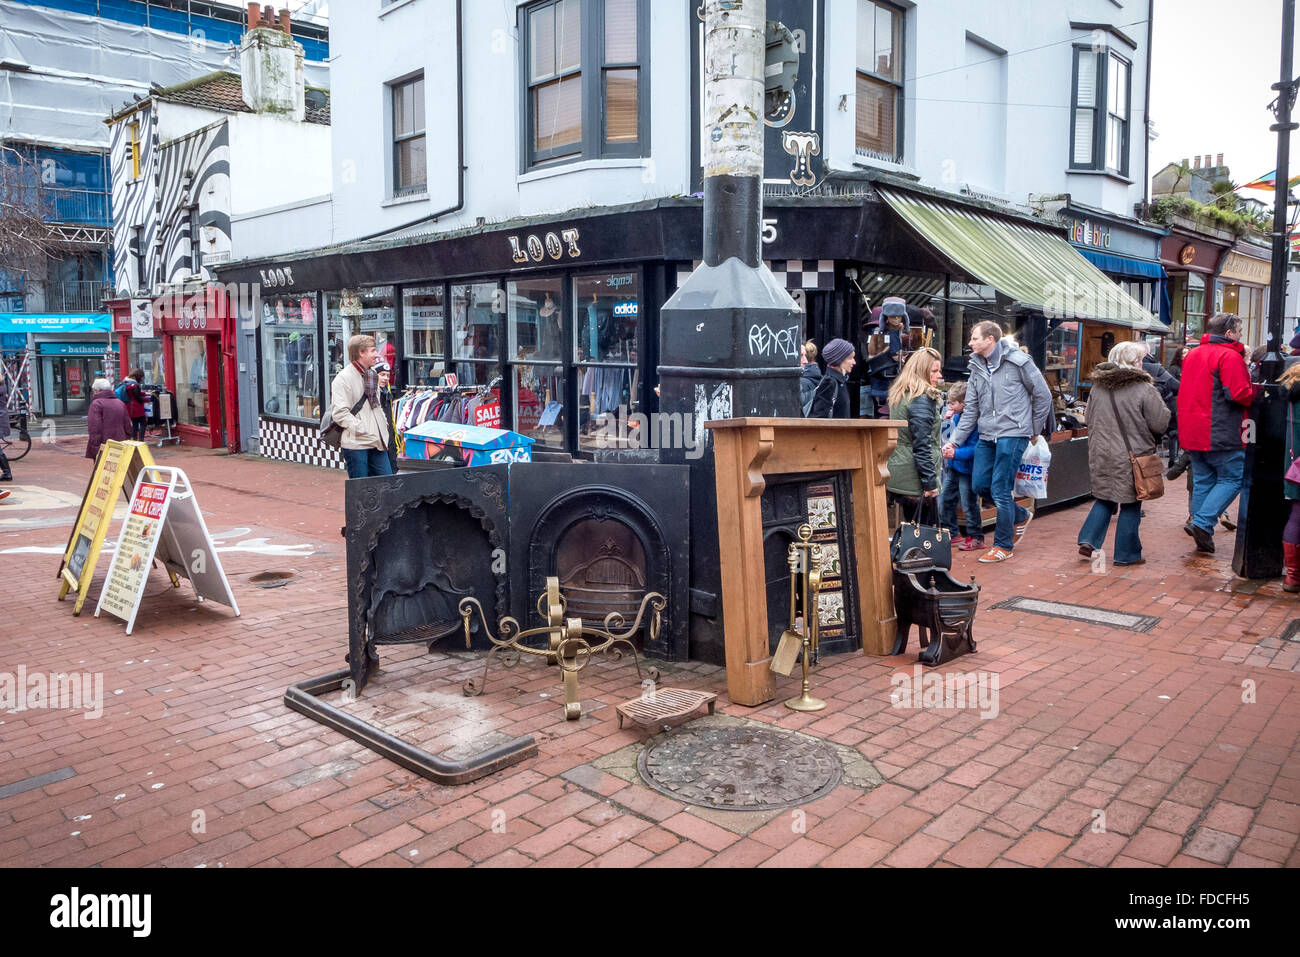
<point>107,419</point>
<point>810,376</point>
<point>1213,398</point>
<point>5,474</point>
<point>956,480</point>
<point>1008,403</point>
<point>914,465</point>
<point>831,400</point>
<point>135,399</point>
<point>1125,410</point>
<point>365,433</point>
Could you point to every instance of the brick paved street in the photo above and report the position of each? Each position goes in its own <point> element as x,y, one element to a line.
<point>1176,746</point>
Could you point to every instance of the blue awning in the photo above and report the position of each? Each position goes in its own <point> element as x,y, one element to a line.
<point>26,322</point>
<point>1123,265</point>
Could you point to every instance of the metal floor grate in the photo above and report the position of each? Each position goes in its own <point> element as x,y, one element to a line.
<point>1084,613</point>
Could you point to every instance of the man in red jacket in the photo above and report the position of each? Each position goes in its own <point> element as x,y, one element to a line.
<point>1213,398</point>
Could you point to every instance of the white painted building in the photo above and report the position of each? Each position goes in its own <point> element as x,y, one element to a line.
<point>998,97</point>
<point>189,162</point>
<point>563,138</point>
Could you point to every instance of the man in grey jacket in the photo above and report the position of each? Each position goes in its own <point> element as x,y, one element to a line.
<point>1008,403</point>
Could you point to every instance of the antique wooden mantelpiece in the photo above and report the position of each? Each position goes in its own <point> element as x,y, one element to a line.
<point>745,452</point>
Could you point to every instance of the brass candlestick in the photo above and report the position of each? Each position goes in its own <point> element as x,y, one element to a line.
<point>811,557</point>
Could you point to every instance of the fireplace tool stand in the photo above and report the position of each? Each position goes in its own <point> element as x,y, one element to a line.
<point>569,643</point>
<point>804,558</point>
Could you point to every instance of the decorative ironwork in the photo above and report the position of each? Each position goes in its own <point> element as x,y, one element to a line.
<point>569,644</point>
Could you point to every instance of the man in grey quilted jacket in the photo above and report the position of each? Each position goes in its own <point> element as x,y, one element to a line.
<point>1008,402</point>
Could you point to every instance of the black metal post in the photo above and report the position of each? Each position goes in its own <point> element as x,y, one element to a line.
<point>1263,510</point>
<point>730,334</point>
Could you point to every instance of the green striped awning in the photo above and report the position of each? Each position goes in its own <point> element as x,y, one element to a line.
<point>1035,267</point>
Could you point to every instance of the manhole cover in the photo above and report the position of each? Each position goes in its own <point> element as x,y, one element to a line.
<point>272,579</point>
<point>743,769</point>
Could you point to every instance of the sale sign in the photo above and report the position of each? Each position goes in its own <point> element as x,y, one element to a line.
<point>129,573</point>
<point>488,416</point>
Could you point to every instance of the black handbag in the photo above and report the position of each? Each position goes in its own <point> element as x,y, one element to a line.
<point>934,543</point>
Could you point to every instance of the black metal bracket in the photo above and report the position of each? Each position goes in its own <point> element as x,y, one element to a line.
<point>304,698</point>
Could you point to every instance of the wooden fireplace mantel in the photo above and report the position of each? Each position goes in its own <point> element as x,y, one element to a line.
<point>746,451</point>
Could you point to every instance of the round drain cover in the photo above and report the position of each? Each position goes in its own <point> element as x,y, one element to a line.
<point>740,769</point>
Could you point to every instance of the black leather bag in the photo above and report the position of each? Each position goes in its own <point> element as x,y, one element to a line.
<point>934,543</point>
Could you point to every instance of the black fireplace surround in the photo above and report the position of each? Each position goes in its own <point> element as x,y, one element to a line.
<point>417,543</point>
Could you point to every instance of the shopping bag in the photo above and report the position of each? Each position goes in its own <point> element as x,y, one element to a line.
<point>1031,477</point>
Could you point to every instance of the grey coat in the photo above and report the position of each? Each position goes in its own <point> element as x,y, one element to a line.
<point>1144,416</point>
<point>1012,402</point>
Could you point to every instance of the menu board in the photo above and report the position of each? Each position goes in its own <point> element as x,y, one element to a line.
<point>129,573</point>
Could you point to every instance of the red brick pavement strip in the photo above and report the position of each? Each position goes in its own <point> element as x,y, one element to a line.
<point>1176,747</point>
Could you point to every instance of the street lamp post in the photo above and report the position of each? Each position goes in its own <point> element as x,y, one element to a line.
<point>1263,506</point>
<point>729,335</point>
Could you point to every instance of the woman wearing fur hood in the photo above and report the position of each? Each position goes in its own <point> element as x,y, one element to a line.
<point>1143,418</point>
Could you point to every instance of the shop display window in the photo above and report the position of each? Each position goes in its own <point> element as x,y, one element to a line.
<point>290,374</point>
<point>476,312</point>
<point>424,317</point>
<point>147,356</point>
<point>535,330</point>
<point>1062,368</point>
<point>359,312</point>
<point>190,356</point>
<point>606,324</point>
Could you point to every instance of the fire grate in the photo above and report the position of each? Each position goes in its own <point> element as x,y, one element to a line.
<point>1084,613</point>
<point>741,769</point>
<point>665,705</point>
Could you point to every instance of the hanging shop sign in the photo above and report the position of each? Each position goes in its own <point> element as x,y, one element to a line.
<point>164,522</point>
<point>142,319</point>
<point>117,469</point>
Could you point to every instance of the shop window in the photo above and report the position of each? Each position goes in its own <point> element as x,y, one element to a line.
<point>359,312</point>
<point>1099,127</point>
<point>536,351</point>
<point>476,312</point>
<point>146,355</point>
<point>880,81</point>
<point>410,169</point>
<point>190,356</point>
<point>424,316</point>
<point>290,375</point>
<point>606,326</point>
<point>585,80</point>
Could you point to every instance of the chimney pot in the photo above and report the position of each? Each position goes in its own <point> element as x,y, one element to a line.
<point>1207,160</point>
<point>1219,161</point>
<point>284,22</point>
<point>254,16</point>
<point>1184,162</point>
<point>1196,162</point>
<point>268,16</point>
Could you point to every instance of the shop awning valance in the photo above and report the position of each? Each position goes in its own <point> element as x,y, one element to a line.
<point>25,322</point>
<point>1035,267</point>
<point>1124,265</point>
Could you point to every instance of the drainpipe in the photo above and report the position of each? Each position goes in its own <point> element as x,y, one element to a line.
<point>460,139</point>
<point>1146,112</point>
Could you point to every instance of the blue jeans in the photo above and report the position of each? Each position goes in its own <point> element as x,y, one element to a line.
<point>366,463</point>
<point>957,486</point>
<point>996,464</point>
<point>1216,480</point>
<point>1128,546</point>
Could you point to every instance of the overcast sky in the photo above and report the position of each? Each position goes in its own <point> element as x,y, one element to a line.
<point>1212,66</point>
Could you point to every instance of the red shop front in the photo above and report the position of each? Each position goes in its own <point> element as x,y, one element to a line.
<point>192,354</point>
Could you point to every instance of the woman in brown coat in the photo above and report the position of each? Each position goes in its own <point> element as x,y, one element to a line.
<point>106,420</point>
<point>1120,386</point>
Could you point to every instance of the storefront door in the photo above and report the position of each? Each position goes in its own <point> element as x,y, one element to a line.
<point>65,385</point>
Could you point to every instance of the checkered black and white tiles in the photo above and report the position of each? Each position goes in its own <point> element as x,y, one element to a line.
<point>293,442</point>
<point>806,274</point>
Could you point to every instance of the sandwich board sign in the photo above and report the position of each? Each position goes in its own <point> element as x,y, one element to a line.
<point>163,523</point>
<point>116,471</point>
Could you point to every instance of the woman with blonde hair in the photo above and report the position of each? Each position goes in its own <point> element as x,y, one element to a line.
<point>914,467</point>
<point>1291,534</point>
<point>1124,412</point>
